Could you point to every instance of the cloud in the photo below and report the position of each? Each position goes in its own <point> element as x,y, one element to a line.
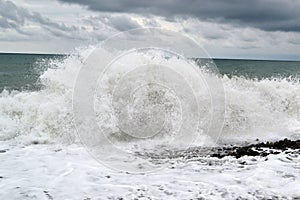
<point>117,22</point>
<point>22,24</point>
<point>21,20</point>
<point>122,23</point>
<point>269,15</point>
<point>11,16</point>
<point>226,28</point>
<point>31,24</point>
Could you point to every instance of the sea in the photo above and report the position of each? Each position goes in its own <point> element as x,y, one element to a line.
<point>22,71</point>
<point>46,154</point>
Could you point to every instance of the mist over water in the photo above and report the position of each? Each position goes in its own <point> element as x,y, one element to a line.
<point>262,100</point>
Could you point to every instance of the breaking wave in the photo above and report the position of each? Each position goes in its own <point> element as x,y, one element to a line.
<point>266,109</point>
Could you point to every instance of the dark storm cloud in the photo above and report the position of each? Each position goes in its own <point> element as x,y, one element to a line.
<point>270,15</point>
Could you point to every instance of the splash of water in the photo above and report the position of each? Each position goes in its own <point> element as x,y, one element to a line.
<point>265,109</point>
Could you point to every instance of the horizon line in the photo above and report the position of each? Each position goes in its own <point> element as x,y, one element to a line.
<point>214,58</point>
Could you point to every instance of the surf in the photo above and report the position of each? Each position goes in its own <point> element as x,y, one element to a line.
<point>265,109</point>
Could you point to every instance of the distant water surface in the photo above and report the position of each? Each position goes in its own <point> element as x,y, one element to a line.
<point>22,71</point>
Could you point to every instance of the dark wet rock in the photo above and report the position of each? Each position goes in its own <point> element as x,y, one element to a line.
<point>35,142</point>
<point>259,149</point>
<point>262,149</point>
<point>39,142</point>
<point>48,195</point>
<point>3,150</point>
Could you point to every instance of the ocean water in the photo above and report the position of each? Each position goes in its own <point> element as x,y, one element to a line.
<point>22,71</point>
<point>259,69</point>
<point>44,156</point>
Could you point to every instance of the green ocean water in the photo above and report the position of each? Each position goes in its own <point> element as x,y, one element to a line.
<point>22,71</point>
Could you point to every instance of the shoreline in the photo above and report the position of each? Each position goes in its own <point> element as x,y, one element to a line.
<point>261,149</point>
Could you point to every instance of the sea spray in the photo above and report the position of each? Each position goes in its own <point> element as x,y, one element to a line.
<point>264,109</point>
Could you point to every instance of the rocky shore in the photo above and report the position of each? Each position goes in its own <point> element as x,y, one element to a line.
<point>258,149</point>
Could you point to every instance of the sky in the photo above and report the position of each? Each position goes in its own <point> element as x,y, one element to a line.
<point>257,29</point>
